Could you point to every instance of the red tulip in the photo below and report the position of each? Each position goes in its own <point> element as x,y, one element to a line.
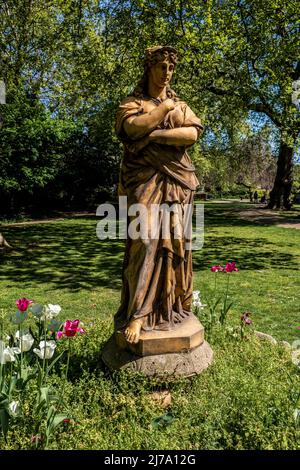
<point>23,304</point>
<point>230,267</point>
<point>216,269</point>
<point>70,329</point>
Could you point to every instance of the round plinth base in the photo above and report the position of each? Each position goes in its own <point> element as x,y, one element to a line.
<point>185,363</point>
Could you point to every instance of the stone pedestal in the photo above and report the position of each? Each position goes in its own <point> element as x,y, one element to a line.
<point>181,352</point>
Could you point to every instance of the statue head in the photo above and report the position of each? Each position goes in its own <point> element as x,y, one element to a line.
<point>159,65</point>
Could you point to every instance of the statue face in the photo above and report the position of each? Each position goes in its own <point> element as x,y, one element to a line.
<point>161,73</point>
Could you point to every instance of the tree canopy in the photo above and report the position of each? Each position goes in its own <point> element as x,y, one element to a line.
<point>67,64</point>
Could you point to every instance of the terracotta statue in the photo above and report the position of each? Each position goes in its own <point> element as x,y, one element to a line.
<point>156,128</point>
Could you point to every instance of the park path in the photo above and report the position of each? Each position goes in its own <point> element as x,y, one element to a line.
<point>253,214</point>
<point>265,216</point>
<point>59,218</point>
<point>257,213</point>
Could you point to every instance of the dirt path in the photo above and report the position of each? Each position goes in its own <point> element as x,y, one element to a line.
<point>61,216</point>
<point>265,216</point>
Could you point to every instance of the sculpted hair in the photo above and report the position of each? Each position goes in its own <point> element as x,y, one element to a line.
<point>153,56</point>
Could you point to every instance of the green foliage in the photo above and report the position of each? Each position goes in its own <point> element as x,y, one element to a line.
<point>239,61</point>
<point>21,372</point>
<point>245,400</point>
<point>32,147</point>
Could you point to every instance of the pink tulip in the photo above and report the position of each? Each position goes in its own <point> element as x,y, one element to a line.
<point>23,304</point>
<point>216,269</point>
<point>230,267</point>
<point>70,329</point>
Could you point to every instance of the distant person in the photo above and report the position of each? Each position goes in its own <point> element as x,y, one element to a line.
<point>255,197</point>
<point>263,199</point>
<point>251,196</point>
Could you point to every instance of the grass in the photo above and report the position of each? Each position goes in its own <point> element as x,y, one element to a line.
<point>269,260</point>
<point>64,262</point>
<point>244,401</point>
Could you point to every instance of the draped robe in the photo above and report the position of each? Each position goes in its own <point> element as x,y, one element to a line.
<point>157,272</point>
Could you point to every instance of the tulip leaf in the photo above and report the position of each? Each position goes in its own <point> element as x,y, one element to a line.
<point>59,418</point>
<point>4,421</point>
<point>297,416</point>
<point>54,361</point>
<point>12,384</point>
<point>44,394</point>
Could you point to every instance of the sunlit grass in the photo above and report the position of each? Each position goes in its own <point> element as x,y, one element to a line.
<point>64,262</point>
<point>245,400</point>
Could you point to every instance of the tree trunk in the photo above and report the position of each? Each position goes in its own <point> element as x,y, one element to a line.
<point>281,192</point>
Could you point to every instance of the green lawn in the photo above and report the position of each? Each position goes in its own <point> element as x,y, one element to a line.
<point>245,400</point>
<point>64,262</point>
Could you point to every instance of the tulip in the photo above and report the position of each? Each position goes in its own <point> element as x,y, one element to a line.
<point>46,350</point>
<point>230,267</point>
<point>25,341</point>
<point>50,312</point>
<point>217,268</point>
<point>14,408</point>
<point>71,327</point>
<point>23,304</point>
<point>198,304</point>
<point>196,300</point>
<point>196,294</point>
<point>7,354</point>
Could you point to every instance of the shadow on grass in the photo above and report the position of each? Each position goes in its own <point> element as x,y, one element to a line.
<point>252,252</point>
<point>65,254</point>
<point>68,255</point>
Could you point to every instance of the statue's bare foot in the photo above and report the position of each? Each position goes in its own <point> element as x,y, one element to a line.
<point>133,331</point>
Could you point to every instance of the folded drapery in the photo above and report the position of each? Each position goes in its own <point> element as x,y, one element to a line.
<point>157,272</point>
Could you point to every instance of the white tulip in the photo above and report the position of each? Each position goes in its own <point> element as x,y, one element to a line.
<point>196,294</point>
<point>25,341</point>
<point>46,350</point>
<point>50,312</point>
<point>7,354</point>
<point>14,407</point>
<point>54,309</point>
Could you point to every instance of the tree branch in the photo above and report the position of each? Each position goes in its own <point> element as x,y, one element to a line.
<point>263,108</point>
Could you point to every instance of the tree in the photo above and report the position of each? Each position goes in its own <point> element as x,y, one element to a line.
<point>80,57</point>
<point>48,52</point>
<point>246,52</point>
<point>31,149</point>
<point>244,55</point>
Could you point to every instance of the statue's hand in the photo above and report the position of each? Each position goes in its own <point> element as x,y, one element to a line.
<point>168,105</point>
<point>174,118</point>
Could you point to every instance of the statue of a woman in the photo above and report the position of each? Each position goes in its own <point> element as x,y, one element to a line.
<point>156,127</point>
